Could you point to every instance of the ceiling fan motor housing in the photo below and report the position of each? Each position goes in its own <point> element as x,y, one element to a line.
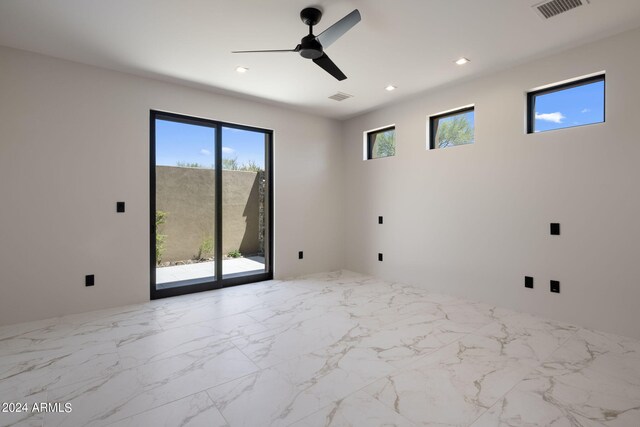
<point>310,48</point>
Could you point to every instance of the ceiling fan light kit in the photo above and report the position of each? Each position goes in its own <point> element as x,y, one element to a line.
<point>312,47</point>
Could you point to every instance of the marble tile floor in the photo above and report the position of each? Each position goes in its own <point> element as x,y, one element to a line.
<point>333,349</point>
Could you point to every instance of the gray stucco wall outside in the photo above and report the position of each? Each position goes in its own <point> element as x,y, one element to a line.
<point>187,195</point>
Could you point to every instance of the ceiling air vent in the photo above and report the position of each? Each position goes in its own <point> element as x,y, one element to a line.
<point>549,9</point>
<point>340,96</point>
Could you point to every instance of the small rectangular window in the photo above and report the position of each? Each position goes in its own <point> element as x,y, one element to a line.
<point>381,143</point>
<point>452,129</point>
<point>577,103</point>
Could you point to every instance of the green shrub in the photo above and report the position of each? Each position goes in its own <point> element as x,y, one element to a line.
<point>234,254</point>
<point>193,165</point>
<point>230,163</point>
<point>250,166</point>
<point>206,249</point>
<point>161,217</point>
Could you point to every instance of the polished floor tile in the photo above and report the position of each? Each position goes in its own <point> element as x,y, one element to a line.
<point>329,349</point>
<point>357,410</point>
<point>111,398</point>
<point>192,411</point>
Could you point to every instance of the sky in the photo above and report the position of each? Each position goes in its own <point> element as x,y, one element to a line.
<point>187,143</point>
<point>571,107</point>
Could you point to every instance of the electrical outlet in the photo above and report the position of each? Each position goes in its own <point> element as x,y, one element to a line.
<point>119,207</point>
<point>300,255</point>
<point>89,280</point>
<point>554,286</point>
<point>528,282</point>
<point>380,220</point>
<point>379,257</point>
<point>555,229</point>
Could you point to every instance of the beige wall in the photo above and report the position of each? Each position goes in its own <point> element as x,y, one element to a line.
<point>240,212</point>
<point>187,196</point>
<point>474,220</point>
<point>74,139</point>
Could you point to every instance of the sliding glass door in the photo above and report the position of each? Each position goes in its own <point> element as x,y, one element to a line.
<point>244,191</point>
<point>211,204</point>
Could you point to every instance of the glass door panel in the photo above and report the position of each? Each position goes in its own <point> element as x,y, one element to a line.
<point>244,201</point>
<point>184,203</point>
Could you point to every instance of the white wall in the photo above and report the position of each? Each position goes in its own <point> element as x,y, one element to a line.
<point>469,220</point>
<point>474,220</point>
<point>74,139</point>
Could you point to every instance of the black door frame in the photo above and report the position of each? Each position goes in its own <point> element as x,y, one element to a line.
<point>206,284</point>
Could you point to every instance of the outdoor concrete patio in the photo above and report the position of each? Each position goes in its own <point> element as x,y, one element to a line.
<point>175,273</point>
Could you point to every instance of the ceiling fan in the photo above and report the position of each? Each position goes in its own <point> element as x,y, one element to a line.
<point>312,47</point>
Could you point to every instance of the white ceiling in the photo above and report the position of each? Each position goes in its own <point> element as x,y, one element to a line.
<point>408,43</point>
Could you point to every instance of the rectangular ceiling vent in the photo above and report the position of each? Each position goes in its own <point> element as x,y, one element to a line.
<point>549,9</point>
<point>340,96</point>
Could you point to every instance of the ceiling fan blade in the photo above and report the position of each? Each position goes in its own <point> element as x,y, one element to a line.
<point>337,30</point>
<point>331,68</point>
<point>297,49</point>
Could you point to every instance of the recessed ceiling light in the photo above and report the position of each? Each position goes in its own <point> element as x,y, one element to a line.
<point>390,88</point>
<point>242,69</point>
<point>462,61</point>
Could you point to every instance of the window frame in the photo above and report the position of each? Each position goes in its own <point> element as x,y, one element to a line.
<point>369,139</point>
<point>531,96</point>
<point>456,112</point>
